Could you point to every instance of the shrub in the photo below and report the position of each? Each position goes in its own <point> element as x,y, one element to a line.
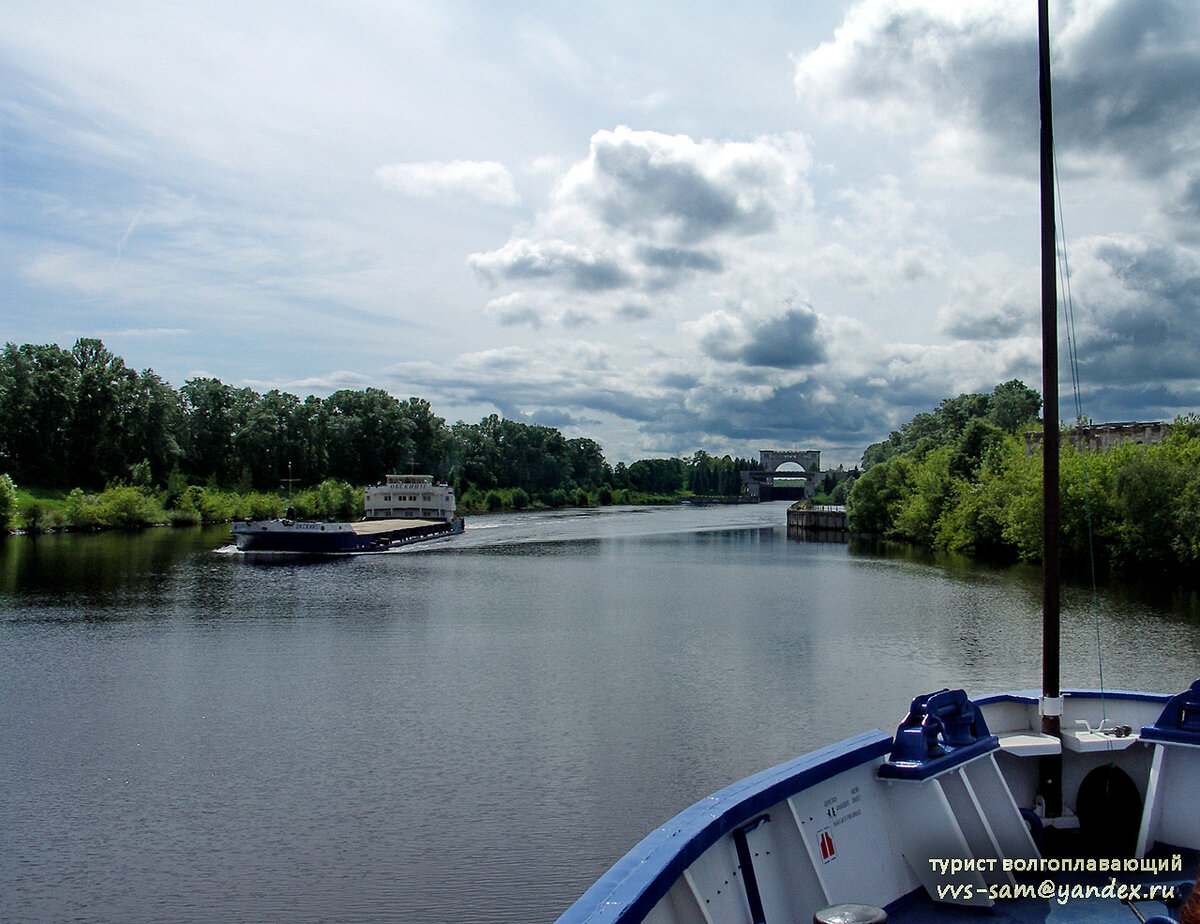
<point>183,517</point>
<point>339,500</point>
<point>258,506</point>
<point>126,507</point>
<point>8,501</point>
<point>209,504</point>
<point>83,510</point>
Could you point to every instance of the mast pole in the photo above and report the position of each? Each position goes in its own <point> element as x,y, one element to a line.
<point>1051,772</point>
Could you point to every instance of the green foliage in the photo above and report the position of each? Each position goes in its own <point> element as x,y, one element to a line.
<point>209,505</point>
<point>255,505</point>
<point>330,500</point>
<point>1009,408</point>
<point>8,501</point>
<point>342,501</point>
<point>81,416</point>
<point>118,506</point>
<point>38,517</point>
<point>657,476</point>
<point>708,476</point>
<point>1013,406</point>
<point>126,507</point>
<point>180,517</point>
<point>874,496</point>
<point>1135,507</point>
<point>841,491</point>
<point>929,485</point>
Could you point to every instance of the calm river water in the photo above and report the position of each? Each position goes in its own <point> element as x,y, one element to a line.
<point>471,730</point>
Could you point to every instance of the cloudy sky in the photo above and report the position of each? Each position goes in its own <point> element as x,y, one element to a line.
<point>664,225</point>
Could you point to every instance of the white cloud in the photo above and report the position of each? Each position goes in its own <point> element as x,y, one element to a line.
<point>648,213</point>
<point>484,180</point>
<point>574,266</point>
<point>672,189</point>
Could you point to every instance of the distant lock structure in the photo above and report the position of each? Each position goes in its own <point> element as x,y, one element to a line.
<point>807,459</point>
<point>761,485</point>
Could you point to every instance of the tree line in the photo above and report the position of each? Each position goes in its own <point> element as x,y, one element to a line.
<point>961,479</point>
<point>81,418</point>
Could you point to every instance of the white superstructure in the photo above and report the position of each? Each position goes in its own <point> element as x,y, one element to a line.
<point>410,496</point>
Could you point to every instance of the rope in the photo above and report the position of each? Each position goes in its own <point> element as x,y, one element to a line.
<point>1073,361</point>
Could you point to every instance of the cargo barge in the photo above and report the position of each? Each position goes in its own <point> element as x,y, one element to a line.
<point>403,510</point>
<point>312,538</point>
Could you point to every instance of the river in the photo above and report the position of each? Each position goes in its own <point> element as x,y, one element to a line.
<point>473,729</point>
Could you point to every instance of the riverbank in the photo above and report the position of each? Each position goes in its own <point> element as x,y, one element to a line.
<point>131,507</point>
<point>126,507</point>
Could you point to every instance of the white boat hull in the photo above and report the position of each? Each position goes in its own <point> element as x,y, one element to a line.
<point>831,828</point>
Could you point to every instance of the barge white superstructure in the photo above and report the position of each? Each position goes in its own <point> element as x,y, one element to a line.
<point>415,497</point>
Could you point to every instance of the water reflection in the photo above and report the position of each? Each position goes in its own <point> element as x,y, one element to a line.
<point>192,735</point>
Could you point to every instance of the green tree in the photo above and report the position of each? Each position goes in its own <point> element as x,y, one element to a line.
<point>928,489</point>
<point>1010,407</point>
<point>213,413</point>
<point>1013,406</point>
<point>368,435</point>
<point>430,438</point>
<point>105,390</point>
<point>980,437</point>
<point>585,459</point>
<point>473,453</point>
<point>152,421</point>
<point>1148,489</point>
<point>874,497</point>
<point>271,440</point>
<point>657,476</point>
<point>38,391</point>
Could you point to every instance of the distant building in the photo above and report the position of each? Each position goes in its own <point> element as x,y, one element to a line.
<point>1106,436</point>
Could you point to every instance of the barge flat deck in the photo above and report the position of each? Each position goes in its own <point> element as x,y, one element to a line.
<point>398,525</point>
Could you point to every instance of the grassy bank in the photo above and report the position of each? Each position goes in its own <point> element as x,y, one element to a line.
<point>123,506</point>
